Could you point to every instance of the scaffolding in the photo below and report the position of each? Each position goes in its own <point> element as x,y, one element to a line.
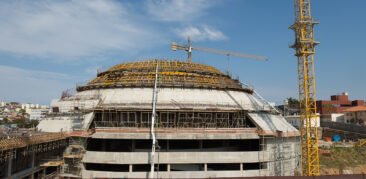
<point>282,153</point>
<point>172,119</point>
<point>21,152</point>
<point>73,155</point>
<point>172,74</point>
<point>76,149</point>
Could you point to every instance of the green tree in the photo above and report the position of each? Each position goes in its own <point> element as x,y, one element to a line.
<point>21,123</point>
<point>5,120</point>
<point>32,123</point>
<point>22,111</point>
<point>293,101</point>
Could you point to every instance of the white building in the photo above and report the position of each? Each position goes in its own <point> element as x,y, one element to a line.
<point>2,103</point>
<point>296,122</point>
<point>38,114</point>
<point>28,107</point>
<point>334,117</point>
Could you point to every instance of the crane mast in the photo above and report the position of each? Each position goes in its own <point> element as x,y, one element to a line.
<point>305,49</point>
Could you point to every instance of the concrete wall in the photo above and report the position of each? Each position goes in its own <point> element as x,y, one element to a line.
<point>175,157</point>
<point>345,127</point>
<point>280,156</point>
<point>176,136</point>
<point>285,155</point>
<point>175,174</point>
<point>63,124</point>
<point>169,98</point>
<point>334,117</point>
<point>355,117</point>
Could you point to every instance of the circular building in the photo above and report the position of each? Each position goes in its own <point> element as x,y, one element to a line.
<point>207,125</point>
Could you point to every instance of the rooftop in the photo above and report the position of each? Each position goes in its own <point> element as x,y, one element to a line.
<point>357,108</point>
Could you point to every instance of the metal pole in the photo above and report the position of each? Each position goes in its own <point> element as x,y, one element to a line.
<point>228,64</point>
<point>189,50</point>
<point>152,155</point>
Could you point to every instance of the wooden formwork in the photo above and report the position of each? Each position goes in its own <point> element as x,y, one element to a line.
<point>37,143</point>
<point>170,74</point>
<point>18,142</point>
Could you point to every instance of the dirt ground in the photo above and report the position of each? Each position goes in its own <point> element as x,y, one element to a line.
<point>342,160</point>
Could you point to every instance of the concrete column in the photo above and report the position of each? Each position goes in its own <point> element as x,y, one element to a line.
<point>205,167</point>
<point>241,166</point>
<point>168,168</point>
<point>9,167</point>
<point>44,173</point>
<point>32,163</point>
<point>130,168</point>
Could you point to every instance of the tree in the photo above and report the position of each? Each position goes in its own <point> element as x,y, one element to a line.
<point>293,101</point>
<point>32,123</point>
<point>5,120</point>
<point>21,123</point>
<point>22,111</point>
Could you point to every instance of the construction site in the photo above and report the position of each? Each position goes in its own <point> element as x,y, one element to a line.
<point>180,119</point>
<point>206,125</point>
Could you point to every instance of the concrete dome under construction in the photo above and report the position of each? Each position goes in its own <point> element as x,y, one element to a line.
<point>207,125</point>
<point>171,74</point>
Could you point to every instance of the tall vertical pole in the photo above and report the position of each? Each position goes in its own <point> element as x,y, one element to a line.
<point>189,50</point>
<point>305,49</point>
<point>9,166</point>
<point>32,164</point>
<point>152,155</point>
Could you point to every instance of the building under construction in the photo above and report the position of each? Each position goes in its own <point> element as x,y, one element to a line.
<point>186,120</point>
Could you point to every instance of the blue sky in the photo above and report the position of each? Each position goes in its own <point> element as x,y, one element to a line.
<point>49,46</point>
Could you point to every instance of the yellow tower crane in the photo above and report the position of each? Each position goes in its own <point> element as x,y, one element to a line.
<point>189,49</point>
<point>305,49</point>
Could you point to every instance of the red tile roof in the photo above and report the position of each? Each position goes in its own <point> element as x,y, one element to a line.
<point>357,108</point>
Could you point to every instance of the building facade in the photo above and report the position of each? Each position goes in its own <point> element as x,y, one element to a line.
<point>356,115</point>
<point>337,104</point>
<point>38,114</point>
<point>208,125</point>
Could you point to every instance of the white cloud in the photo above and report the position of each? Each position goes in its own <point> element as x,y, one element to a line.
<point>69,28</point>
<point>202,33</point>
<point>32,74</point>
<point>178,10</point>
<point>31,85</point>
